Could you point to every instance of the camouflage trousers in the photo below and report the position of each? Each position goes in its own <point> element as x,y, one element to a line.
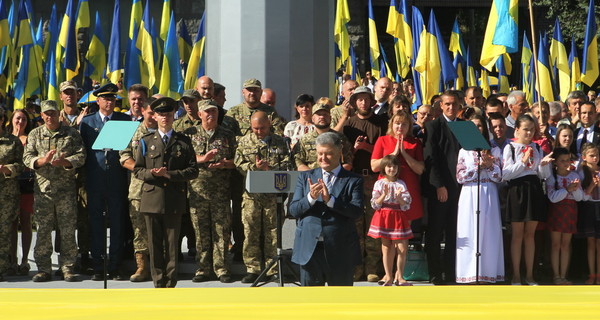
<point>212,224</point>
<point>49,211</point>
<point>259,219</point>
<point>138,223</point>
<point>9,199</point>
<point>370,248</point>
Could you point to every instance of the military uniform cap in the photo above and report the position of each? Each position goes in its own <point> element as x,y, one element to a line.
<point>107,90</point>
<point>204,105</point>
<point>69,84</point>
<point>48,105</point>
<point>320,106</point>
<point>191,93</point>
<point>164,104</point>
<point>359,90</point>
<point>252,83</point>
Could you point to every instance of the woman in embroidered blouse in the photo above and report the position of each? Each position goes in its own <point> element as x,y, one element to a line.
<point>303,124</point>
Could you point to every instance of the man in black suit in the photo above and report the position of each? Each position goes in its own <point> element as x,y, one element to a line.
<point>382,92</point>
<point>327,202</point>
<point>441,156</point>
<point>165,161</point>
<point>589,130</point>
<point>106,186</point>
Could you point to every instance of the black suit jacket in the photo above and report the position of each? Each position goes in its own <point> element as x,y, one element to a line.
<point>337,224</point>
<point>441,154</point>
<point>575,149</point>
<point>159,194</point>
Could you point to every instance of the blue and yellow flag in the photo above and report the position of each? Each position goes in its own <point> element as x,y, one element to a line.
<point>501,32</point>
<point>459,82</point>
<point>484,83</point>
<point>184,42</point>
<point>83,15</point>
<point>196,65</point>
<point>171,82</point>
<point>574,67</point>
<point>146,45</point>
<point>4,29</point>
<point>52,36</point>
<point>433,61</point>
<point>136,16</point>
<point>398,26</point>
<point>526,70</point>
<point>132,74</point>
<point>385,70</point>
<point>544,75</point>
<point>589,66</point>
<point>68,40</point>
<point>503,84</point>
<point>340,29</point>
<point>456,45</point>
<point>53,84</point>
<point>353,66</point>
<point>164,19</point>
<point>373,43</point>
<point>24,30</point>
<point>96,54</point>
<point>114,63</point>
<point>418,32</point>
<point>559,59</point>
<point>471,76</point>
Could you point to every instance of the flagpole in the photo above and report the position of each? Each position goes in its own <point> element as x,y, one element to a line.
<point>535,52</point>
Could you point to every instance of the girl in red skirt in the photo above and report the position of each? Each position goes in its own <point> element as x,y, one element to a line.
<point>391,199</point>
<point>564,190</point>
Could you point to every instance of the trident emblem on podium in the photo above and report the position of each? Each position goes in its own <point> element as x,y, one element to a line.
<point>281,181</point>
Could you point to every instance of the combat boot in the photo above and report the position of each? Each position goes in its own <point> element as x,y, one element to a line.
<point>143,272</point>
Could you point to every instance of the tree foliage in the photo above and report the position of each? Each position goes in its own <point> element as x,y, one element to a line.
<point>572,15</point>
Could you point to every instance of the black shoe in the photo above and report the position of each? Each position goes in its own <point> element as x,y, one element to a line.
<point>118,276</point>
<point>249,278</point>
<point>438,281</point>
<point>200,278</point>
<point>225,278</point>
<point>42,277</point>
<point>98,277</point>
<point>58,273</point>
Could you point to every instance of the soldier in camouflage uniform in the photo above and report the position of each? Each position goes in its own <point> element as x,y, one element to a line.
<point>241,113</point>
<point>260,150</point>
<point>209,193</point>
<point>305,151</point>
<point>140,234</point>
<point>54,151</point>
<point>11,155</point>
<point>190,100</point>
<point>341,113</point>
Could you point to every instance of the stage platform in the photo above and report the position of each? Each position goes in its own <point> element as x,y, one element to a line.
<point>418,302</point>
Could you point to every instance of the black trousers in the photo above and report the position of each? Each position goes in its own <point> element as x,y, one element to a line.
<point>163,245</point>
<point>442,226</point>
<point>317,271</point>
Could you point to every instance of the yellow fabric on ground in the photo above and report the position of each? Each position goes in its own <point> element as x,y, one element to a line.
<point>418,302</point>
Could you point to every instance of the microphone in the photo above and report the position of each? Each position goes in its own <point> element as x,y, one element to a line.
<point>268,140</point>
<point>288,143</point>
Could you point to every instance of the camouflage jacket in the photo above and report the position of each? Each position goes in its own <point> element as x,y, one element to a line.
<point>65,140</point>
<point>64,118</point>
<point>242,114</point>
<point>250,147</point>
<point>305,151</point>
<point>11,156</point>
<point>185,122</point>
<point>135,184</point>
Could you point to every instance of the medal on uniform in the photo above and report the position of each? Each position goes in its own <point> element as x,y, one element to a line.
<point>152,147</point>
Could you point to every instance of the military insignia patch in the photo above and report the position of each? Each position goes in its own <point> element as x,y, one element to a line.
<point>152,147</point>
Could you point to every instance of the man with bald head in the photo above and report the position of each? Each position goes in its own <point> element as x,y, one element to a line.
<point>268,97</point>
<point>263,150</point>
<point>206,87</point>
<point>341,113</point>
<point>382,91</point>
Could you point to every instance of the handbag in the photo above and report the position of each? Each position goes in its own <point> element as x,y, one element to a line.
<point>416,268</point>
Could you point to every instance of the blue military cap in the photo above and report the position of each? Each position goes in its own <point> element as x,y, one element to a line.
<point>107,90</point>
<point>164,104</point>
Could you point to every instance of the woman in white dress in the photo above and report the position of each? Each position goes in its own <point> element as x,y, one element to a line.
<point>303,124</point>
<point>491,263</point>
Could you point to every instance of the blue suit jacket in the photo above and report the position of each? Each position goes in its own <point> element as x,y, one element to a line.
<point>90,128</point>
<point>337,224</point>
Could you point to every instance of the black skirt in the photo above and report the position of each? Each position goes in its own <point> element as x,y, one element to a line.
<point>526,200</point>
<point>588,220</point>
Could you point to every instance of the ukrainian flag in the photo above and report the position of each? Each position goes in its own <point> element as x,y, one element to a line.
<point>4,29</point>
<point>24,31</point>
<point>559,59</point>
<point>83,15</point>
<point>51,46</point>
<point>114,63</point>
<point>171,84</point>
<point>589,67</point>
<point>373,44</point>
<point>544,78</point>
<point>433,61</point>
<point>418,32</point>
<point>96,54</point>
<point>471,77</point>
<point>184,42</point>
<point>146,45</point>
<point>132,73</point>
<point>353,66</point>
<point>501,32</point>
<point>164,19</point>
<point>574,66</point>
<point>459,82</point>
<point>196,68</point>
<point>503,84</point>
<point>136,16</point>
<point>484,83</point>
<point>53,89</point>
<point>456,45</point>
<point>340,29</point>
<point>526,71</point>
<point>68,40</point>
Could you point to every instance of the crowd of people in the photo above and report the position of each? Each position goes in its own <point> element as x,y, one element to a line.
<point>183,173</point>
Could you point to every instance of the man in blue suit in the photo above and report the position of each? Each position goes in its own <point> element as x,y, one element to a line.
<point>326,203</point>
<point>106,187</point>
